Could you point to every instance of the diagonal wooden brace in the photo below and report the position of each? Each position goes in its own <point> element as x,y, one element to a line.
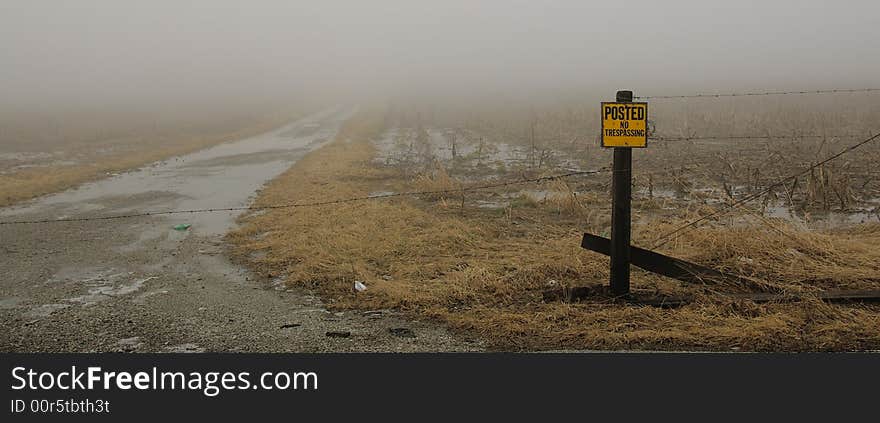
<point>692,273</point>
<point>668,266</point>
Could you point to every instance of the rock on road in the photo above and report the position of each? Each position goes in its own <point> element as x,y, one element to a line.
<point>138,285</point>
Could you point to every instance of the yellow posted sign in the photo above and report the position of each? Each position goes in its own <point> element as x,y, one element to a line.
<point>624,124</point>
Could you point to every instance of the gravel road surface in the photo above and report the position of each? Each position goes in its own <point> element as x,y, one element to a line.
<point>137,285</point>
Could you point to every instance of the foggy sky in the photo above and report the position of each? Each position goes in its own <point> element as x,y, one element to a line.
<point>119,51</point>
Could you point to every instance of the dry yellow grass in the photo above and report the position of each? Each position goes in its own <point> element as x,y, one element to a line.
<point>484,271</point>
<point>36,181</point>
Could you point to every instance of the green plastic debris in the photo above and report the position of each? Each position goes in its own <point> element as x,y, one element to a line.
<point>182,227</point>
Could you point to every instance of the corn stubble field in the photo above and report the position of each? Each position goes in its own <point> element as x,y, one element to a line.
<point>479,261</point>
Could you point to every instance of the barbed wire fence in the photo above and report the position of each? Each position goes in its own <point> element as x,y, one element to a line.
<point>658,242</point>
<point>675,233</point>
<point>750,137</point>
<point>463,189</point>
<point>669,236</point>
<point>760,93</point>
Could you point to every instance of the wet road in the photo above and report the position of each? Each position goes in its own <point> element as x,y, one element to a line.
<point>138,285</point>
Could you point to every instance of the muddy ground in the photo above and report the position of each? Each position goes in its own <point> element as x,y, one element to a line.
<point>671,176</point>
<point>479,261</point>
<point>137,285</point>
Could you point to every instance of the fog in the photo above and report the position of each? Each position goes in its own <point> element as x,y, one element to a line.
<point>114,53</point>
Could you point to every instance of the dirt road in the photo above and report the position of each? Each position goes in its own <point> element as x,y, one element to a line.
<point>138,285</point>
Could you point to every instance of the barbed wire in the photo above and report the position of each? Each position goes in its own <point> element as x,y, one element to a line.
<point>747,137</point>
<point>671,235</point>
<point>764,93</point>
<point>313,204</point>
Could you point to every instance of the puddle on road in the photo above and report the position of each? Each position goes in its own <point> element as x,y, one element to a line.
<point>101,293</point>
<point>99,284</point>
<point>146,234</point>
<point>259,157</point>
<point>224,176</point>
<point>86,275</point>
<point>136,203</point>
<point>302,131</point>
